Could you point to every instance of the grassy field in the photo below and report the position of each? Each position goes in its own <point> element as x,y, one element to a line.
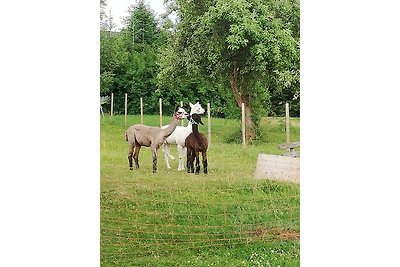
<point>171,218</point>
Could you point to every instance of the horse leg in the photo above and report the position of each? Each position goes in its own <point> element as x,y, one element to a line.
<point>131,148</point>
<point>166,149</point>
<point>154,154</point>
<point>192,158</point>
<point>204,156</point>
<point>197,162</point>
<point>180,153</point>
<point>189,160</point>
<point>136,155</point>
<point>183,156</point>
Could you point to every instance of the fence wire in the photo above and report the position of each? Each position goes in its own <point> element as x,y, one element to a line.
<point>138,219</point>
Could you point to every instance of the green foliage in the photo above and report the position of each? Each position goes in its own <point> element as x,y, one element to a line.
<point>258,39</point>
<point>106,81</point>
<point>192,60</point>
<point>128,60</point>
<point>140,27</point>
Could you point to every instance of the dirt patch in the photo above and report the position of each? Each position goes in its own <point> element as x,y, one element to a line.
<point>276,233</point>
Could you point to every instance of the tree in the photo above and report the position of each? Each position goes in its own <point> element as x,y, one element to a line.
<point>128,59</point>
<point>103,5</point>
<point>141,26</point>
<point>249,45</point>
<point>106,26</point>
<point>174,83</point>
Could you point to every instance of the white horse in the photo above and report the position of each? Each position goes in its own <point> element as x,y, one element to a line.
<point>178,137</point>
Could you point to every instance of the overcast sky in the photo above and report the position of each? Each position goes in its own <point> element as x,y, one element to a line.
<point>119,8</point>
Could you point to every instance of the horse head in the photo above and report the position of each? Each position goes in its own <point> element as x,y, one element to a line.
<point>196,108</point>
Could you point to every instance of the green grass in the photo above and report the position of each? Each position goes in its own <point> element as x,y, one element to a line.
<point>171,218</point>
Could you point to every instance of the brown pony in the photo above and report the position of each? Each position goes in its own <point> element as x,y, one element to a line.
<point>195,143</point>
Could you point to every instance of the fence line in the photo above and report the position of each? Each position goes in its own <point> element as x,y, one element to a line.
<point>287,122</point>
<point>160,111</point>
<point>243,119</point>
<point>243,126</point>
<point>161,222</point>
<point>182,122</point>
<point>126,107</point>
<point>141,110</point>
<point>157,219</point>
<point>112,103</point>
<point>209,123</point>
<point>160,102</point>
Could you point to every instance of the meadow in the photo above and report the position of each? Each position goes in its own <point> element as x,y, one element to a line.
<point>171,218</point>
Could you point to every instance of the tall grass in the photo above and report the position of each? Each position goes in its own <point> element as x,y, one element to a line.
<point>171,218</point>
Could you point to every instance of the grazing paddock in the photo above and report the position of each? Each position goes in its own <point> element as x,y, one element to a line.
<point>171,218</point>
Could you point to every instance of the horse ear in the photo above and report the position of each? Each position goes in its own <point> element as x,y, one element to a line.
<point>190,104</point>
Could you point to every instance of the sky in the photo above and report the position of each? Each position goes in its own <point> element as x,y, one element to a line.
<point>119,8</point>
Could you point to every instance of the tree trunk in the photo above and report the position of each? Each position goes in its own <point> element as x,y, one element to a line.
<point>240,98</point>
<point>250,133</point>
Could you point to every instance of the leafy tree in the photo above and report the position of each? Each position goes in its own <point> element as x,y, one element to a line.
<point>250,46</point>
<point>141,26</point>
<point>112,56</point>
<point>174,83</point>
<point>141,39</point>
<point>106,50</point>
<point>221,52</point>
<point>128,59</point>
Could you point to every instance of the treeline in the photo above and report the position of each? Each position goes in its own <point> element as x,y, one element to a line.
<point>222,52</point>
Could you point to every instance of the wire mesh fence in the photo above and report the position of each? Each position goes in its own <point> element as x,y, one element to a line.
<point>138,219</point>
<point>176,213</point>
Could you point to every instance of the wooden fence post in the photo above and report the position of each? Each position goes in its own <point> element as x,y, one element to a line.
<point>209,123</point>
<point>160,102</point>
<point>287,123</point>
<point>126,106</point>
<point>182,123</point>
<point>112,104</point>
<point>243,126</point>
<point>141,110</point>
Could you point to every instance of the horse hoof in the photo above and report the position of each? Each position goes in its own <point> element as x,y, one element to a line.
<point>131,168</point>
